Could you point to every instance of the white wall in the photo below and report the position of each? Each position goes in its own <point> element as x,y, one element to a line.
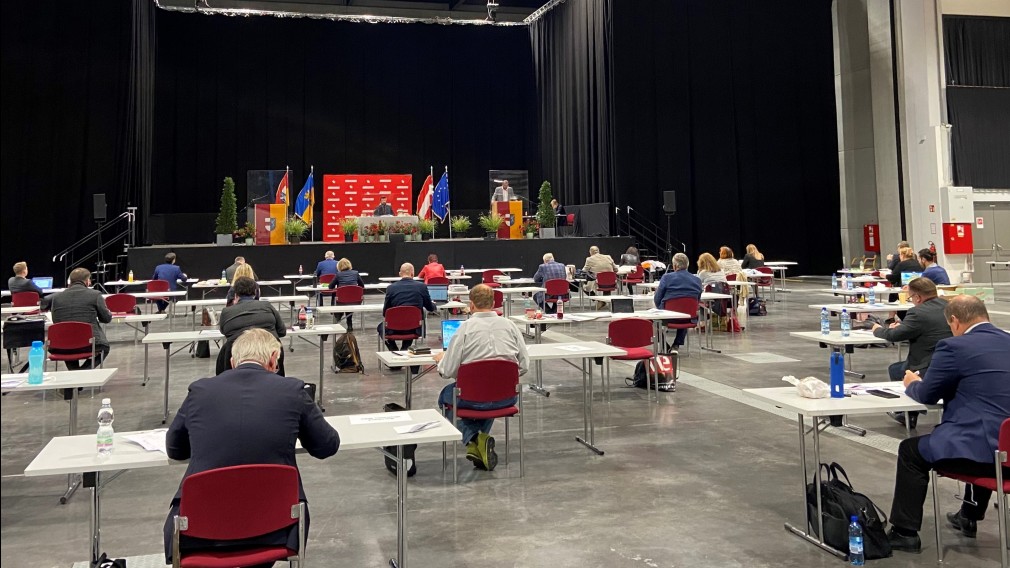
<point>999,8</point>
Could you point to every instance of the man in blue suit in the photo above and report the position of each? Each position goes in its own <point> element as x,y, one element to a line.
<point>169,272</point>
<point>328,265</point>
<point>679,283</point>
<point>970,372</point>
<point>405,292</point>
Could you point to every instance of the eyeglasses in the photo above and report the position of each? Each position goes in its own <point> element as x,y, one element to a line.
<point>913,297</point>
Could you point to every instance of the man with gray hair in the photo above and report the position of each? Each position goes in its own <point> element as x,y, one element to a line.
<point>549,270</point>
<point>678,283</point>
<point>328,265</point>
<point>246,415</point>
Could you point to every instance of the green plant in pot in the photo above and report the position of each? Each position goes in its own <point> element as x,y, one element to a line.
<point>349,226</point>
<point>426,227</point>
<point>545,213</point>
<point>227,218</point>
<point>460,225</point>
<point>381,230</point>
<point>490,223</point>
<point>295,228</point>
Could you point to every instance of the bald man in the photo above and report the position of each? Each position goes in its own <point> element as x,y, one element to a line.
<point>405,292</point>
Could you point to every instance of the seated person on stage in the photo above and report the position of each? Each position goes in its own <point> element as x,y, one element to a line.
<point>346,276</point>
<point>242,270</point>
<point>908,263</point>
<point>80,302</point>
<point>932,270</point>
<point>502,193</point>
<point>405,292</point>
<point>229,273</point>
<point>708,270</point>
<point>484,336</point>
<point>431,270</point>
<point>213,430</point>
<point>922,327</point>
<point>753,258</point>
<point>894,258</point>
<point>169,272</point>
<point>970,372</point>
<point>326,266</point>
<point>596,263</point>
<point>248,313</point>
<point>20,282</point>
<point>678,283</point>
<point>559,214</point>
<point>549,270</point>
<point>727,263</point>
<point>383,208</point>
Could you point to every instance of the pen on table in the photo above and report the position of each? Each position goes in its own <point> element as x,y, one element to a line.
<point>423,426</point>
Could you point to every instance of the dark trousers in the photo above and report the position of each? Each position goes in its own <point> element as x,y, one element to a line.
<point>896,371</point>
<point>162,305</point>
<point>911,481</point>
<point>101,352</point>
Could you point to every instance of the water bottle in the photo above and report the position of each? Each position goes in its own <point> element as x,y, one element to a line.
<point>36,363</point>
<point>129,277</point>
<point>846,323</point>
<point>855,542</point>
<point>310,320</point>
<point>299,270</point>
<point>105,432</point>
<point>461,273</point>
<point>302,317</point>
<point>224,276</point>
<point>848,285</point>
<point>834,282</point>
<point>837,375</point>
<point>872,297</point>
<point>529,311</point>
<point>825,322</point>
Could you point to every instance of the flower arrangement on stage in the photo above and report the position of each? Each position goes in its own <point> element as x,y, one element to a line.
<point>247,231</point>
<point>530,227</point>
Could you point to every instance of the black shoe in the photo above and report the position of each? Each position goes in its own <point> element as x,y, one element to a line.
<point>899,417</point>
<point>543,328</point>
<point>968,527</point>
<point>904,543</point>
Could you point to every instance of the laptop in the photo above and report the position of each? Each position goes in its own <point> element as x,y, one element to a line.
<point>439,293</point>
<point>907,277</point>
<point>449,328</point>
<point>622,306</point>
<point>44,282</point>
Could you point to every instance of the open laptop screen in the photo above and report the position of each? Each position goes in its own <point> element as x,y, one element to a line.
<point>449,328</point>
<point>907,277</point>
<point>438,292</point>
<point>44,282</point>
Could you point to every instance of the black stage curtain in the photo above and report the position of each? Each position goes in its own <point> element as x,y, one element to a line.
<point>65,68</point>
<point>234,94</point>
<point>976,51</point>
<point>732,105</point>
<point>571,55</point>
<point>979,140</point>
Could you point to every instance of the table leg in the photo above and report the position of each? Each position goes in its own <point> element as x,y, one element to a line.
<point>401,511</point>
<point>171,314</point>
<point>146,354</point>
<point>587,408</point>
<point>168,363</point>
<point>408,386</point>
<point>73,482</point>
<point>94,523</point>
<point>322,363</point>
<point>803,533</point>
<point>708,330</point>
<point>539,386</point>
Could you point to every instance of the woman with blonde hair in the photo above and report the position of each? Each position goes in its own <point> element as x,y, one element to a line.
<point>245,269</point>
<point>708,270</point>
<point>908,263</point>
<point>753,258</point>
<point>727,263</point>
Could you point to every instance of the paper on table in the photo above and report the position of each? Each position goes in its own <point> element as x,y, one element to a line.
<point>209,332</point>
<point>12,383</point>
<point>153,441</point>
<point>380,417</point>
<point>574,348</point>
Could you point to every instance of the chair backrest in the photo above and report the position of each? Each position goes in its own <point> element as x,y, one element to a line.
<point>403,318</point>
<point>239,502</point>
<point>630,332</point>
<point>70,335</point>
<point>121,303</point>
<point>488,277</point>
<point>488,381</point>
<point>22,299</point>
<point>731,276</point>
<point>556,287</point>
<point>327,278</point>
<point>687,306</point>
<point>157,286</point>
<point>439,281</point>
<point>499,299</point>
<point>350,294</point>
<point>606,279</point>
<point>571,218</point>
<point>1004,437</point>
<point>636,275</point>
<point>765,270</point>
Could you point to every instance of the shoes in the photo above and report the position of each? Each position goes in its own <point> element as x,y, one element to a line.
<point>473,455</point>
<point>899,417</point>
<point>967,527</point>
<point>904,543</point>
<point>543,328</point>
<point>485,447</point>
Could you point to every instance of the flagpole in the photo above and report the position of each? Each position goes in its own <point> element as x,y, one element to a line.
<point>448,208</point>
<point>312,200</point>
<point>431,197</point>
<point>287,193</point>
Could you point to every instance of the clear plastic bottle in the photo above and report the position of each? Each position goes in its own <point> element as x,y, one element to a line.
<point>310,318</point>
<point>561,309</point>
<point>528,309</point>
<point>224,276</point>
<point>36,363</point>
<point>856,557</point>
<point>302,316</point>
<point>299,270</point>
<point>846,323</point>
<point>849,284</point>
<point>461,272</point>
<point>129,278</point>
<point>105,431</point>
<point>834,281</point>
<point>871,296</point>
<point>825,322</point>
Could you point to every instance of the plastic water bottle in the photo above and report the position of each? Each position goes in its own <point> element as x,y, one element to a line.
<point>846,323</point>
<point>129,278</point>
<point>872,296</point>
<point>224,276</point>
<point>310,318</point>
<point>855,542</point>
<point>105,431</point>
<point>834,282</point>
<point>848,285</point>
<point>825,322</point>
<point>299,270</point>
<point>36,363</point>
<point>461,273</point>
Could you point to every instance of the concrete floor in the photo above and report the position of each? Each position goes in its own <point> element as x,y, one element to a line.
<point>703,479</point>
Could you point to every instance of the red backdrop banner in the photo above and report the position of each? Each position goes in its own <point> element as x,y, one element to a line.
<point>353,195</point>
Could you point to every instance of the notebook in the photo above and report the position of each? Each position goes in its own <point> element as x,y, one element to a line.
<point>449,328</point>
<point>439,293</point>
<point>907,277</point>
<point>44,282</point>
<point>622,306</point>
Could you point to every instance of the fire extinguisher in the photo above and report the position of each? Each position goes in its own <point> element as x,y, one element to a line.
<point>932,248</point>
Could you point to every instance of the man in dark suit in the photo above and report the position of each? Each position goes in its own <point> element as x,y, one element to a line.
<point>169,272</point>
<point>405,292</point>
<point>248,415</point>
<point>20,282</point>
<point>383,208</point>
<point>80,302</point>
<point>970,372</point>
<point>328,265</point>
<point>248,312</point>
<point>229,273</point>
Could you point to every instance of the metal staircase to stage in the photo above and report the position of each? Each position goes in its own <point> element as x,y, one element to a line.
<point>116,235</point>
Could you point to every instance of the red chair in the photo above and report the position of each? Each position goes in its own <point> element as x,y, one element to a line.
<point>488,381</point>
<point>766,282</point>
<point>684,306</point>
<point>499,302</point>
<point>557,289</point>
<point>72,340</point>
<point>121,304</point>
<point>636,276</point>
<point>350,295</point>
<point>439,281</point>
<point>238,503</point>
<point>731,276</point>
<point>402,320</point>
<point>156,286</point>
<point>606,281</point>
<point>634,336</point>
<point>25,299</point>
<point>325,280</point>
<point>996,484</point>
<point>488,277</point>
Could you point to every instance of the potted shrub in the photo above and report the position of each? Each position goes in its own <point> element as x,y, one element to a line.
<point>227,223</point>
<point>294,229</point>
<point>349,226</point>
<point>460,225</point>
<point>246,233</point>
<point>426,228</point>
<point>490,223</point>
<point>381,232</point>
<point>545,213</point>
<point>530,227</point>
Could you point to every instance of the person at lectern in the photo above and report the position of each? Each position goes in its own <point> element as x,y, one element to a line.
<point>503,193</point>
<point>383,208</point>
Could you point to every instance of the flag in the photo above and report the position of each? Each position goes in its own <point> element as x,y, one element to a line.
<point>424,199</point>
<point>303,204</point>
<point>282,190</point>
<point>440,199</point>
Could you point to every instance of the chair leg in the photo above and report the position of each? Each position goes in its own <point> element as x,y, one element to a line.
<point>936,515</point>
<point>506,441</point>
<point>1001,503</point>
<point>521,432</point>
<point>455,448</point>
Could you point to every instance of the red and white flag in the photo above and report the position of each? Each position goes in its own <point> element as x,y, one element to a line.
<point>424,199</point>
<point>282,190</point>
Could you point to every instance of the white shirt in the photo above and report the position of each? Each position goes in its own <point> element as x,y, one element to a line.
<point>484,336</point>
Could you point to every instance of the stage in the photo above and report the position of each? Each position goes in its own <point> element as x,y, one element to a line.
<point>378,259</point>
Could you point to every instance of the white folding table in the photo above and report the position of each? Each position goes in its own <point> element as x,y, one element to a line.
<point>844,345</point>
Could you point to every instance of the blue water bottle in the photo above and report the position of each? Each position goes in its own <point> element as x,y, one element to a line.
<point>837,375</point>
<point>856,557</point>
<point>36,363</point>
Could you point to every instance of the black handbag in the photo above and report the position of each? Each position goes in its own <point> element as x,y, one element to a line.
<point>839,502</point>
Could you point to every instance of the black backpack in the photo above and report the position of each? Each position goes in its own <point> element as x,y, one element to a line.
<point>839,502</point>
<point>408,449</point>
<point>663,368</point>
<point>756,307</point>
<point>346,356</point>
